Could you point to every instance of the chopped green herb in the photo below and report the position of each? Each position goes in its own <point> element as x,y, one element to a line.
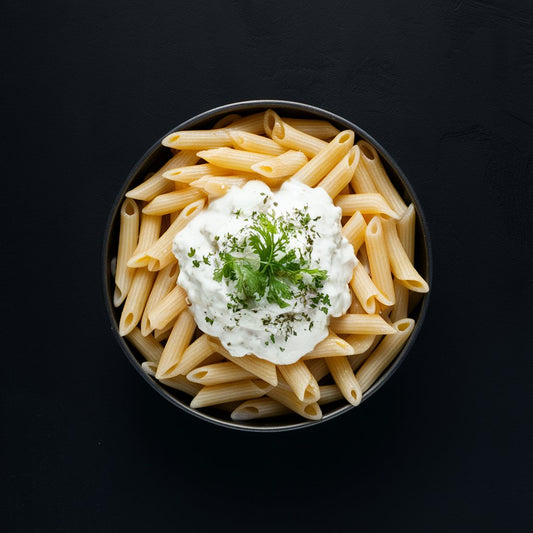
<point>192,251</point>
<point>262,265</point>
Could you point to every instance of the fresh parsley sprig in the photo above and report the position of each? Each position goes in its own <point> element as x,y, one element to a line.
<point>260,264</point>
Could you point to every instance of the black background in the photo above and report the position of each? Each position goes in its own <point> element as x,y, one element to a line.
<point>446,87</point>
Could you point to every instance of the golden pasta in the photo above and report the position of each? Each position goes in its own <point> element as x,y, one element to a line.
<point>155,317</point>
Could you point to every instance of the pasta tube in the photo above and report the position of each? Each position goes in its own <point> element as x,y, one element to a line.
<point>281,166</point>
<point>378,258</point>
<point>313,171</point>
<point>402,268</point>
<point>384,354</point>
<point>256,143</point>
<point>361,324</point>
<point>194,172</point>
<point>173,201</point>
<point>157,184</point>
<point>321,129</point>
<point>284,395</point>
<point>330,346</point>
<point>136,300</point>
<point>167,308</point>
<point>160,254</point>
<point>379,177</point>
<point>365,204</point>
<point>127,241</point>
<point>148,235</point>
<point>301,381</point>
<point>231,158</point>
<point>341,174</point>
<point>291,138</point>
<point>344,378</point>
<point>261,368</point>
<point>163,284</point>
<point>259,408</point>
<point>228,392</point>
<point>354,230</point>
<point>177,343</point>
<point>198,139</point>
<point>150,349</point>
<point>218,373</point>
<point>406,234</point>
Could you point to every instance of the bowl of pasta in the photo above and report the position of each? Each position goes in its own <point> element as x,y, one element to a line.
<point>266,266</point>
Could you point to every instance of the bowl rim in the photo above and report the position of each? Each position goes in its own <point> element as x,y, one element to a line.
<point>248,105</point>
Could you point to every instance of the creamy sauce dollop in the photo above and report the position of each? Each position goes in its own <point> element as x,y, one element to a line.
<point>278,318</point>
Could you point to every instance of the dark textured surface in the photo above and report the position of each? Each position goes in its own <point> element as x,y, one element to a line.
<point>446,87</point>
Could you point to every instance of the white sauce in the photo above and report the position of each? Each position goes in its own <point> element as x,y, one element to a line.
<point>281,335</point>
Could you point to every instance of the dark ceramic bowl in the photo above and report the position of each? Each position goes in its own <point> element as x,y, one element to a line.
<point>157,155</point>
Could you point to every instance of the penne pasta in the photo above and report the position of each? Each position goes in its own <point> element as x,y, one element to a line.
<point>281,166</point>
<point>232,158</point>
<point>284,395</point>
<point>173,201</point>
<point>229,392</point>
<point>313,171</point>
<point>365,290</point>
<point>301,381</point>
<point>357,360</point>
<point>402,268</point>
<point>182,384</point>
<point>218,373</point>
<point>196,353</point>
<point>372,163</point>
<point>160,254</point>
<point>157,184</point>
<point>149,348</point>
<point>255,143</point>
<point>373,204</point>
<point>259,408</point>
<point>198,139</point>
<point>227,120</point>
<point>332,345</point>
<point>291,138</point>
<point>218,185</point>
<point>344,378</point>
<point>194,172</point>
<point>149,368</point>
<point>360,324</point>
<point>176,345</point>
<point>261,368</point>
<point>339,177</point>
<point>355,307</point>
<point>127,242</point>
<point>354,231</point>
<point>251,124</point>
<point>136,300</point>
<point>360,342</point>
<point>148,234</point>
<point>361,181</point>
<point>384,354</point>
<point>162,312</point>
<point>318,368</point>
<point>378,258</point>
<point>161,335</point>
<point>406,234</point>
<point>164,282</point>
<point>329,394</point>
<point>205,165</point>
<point>321,129</point>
